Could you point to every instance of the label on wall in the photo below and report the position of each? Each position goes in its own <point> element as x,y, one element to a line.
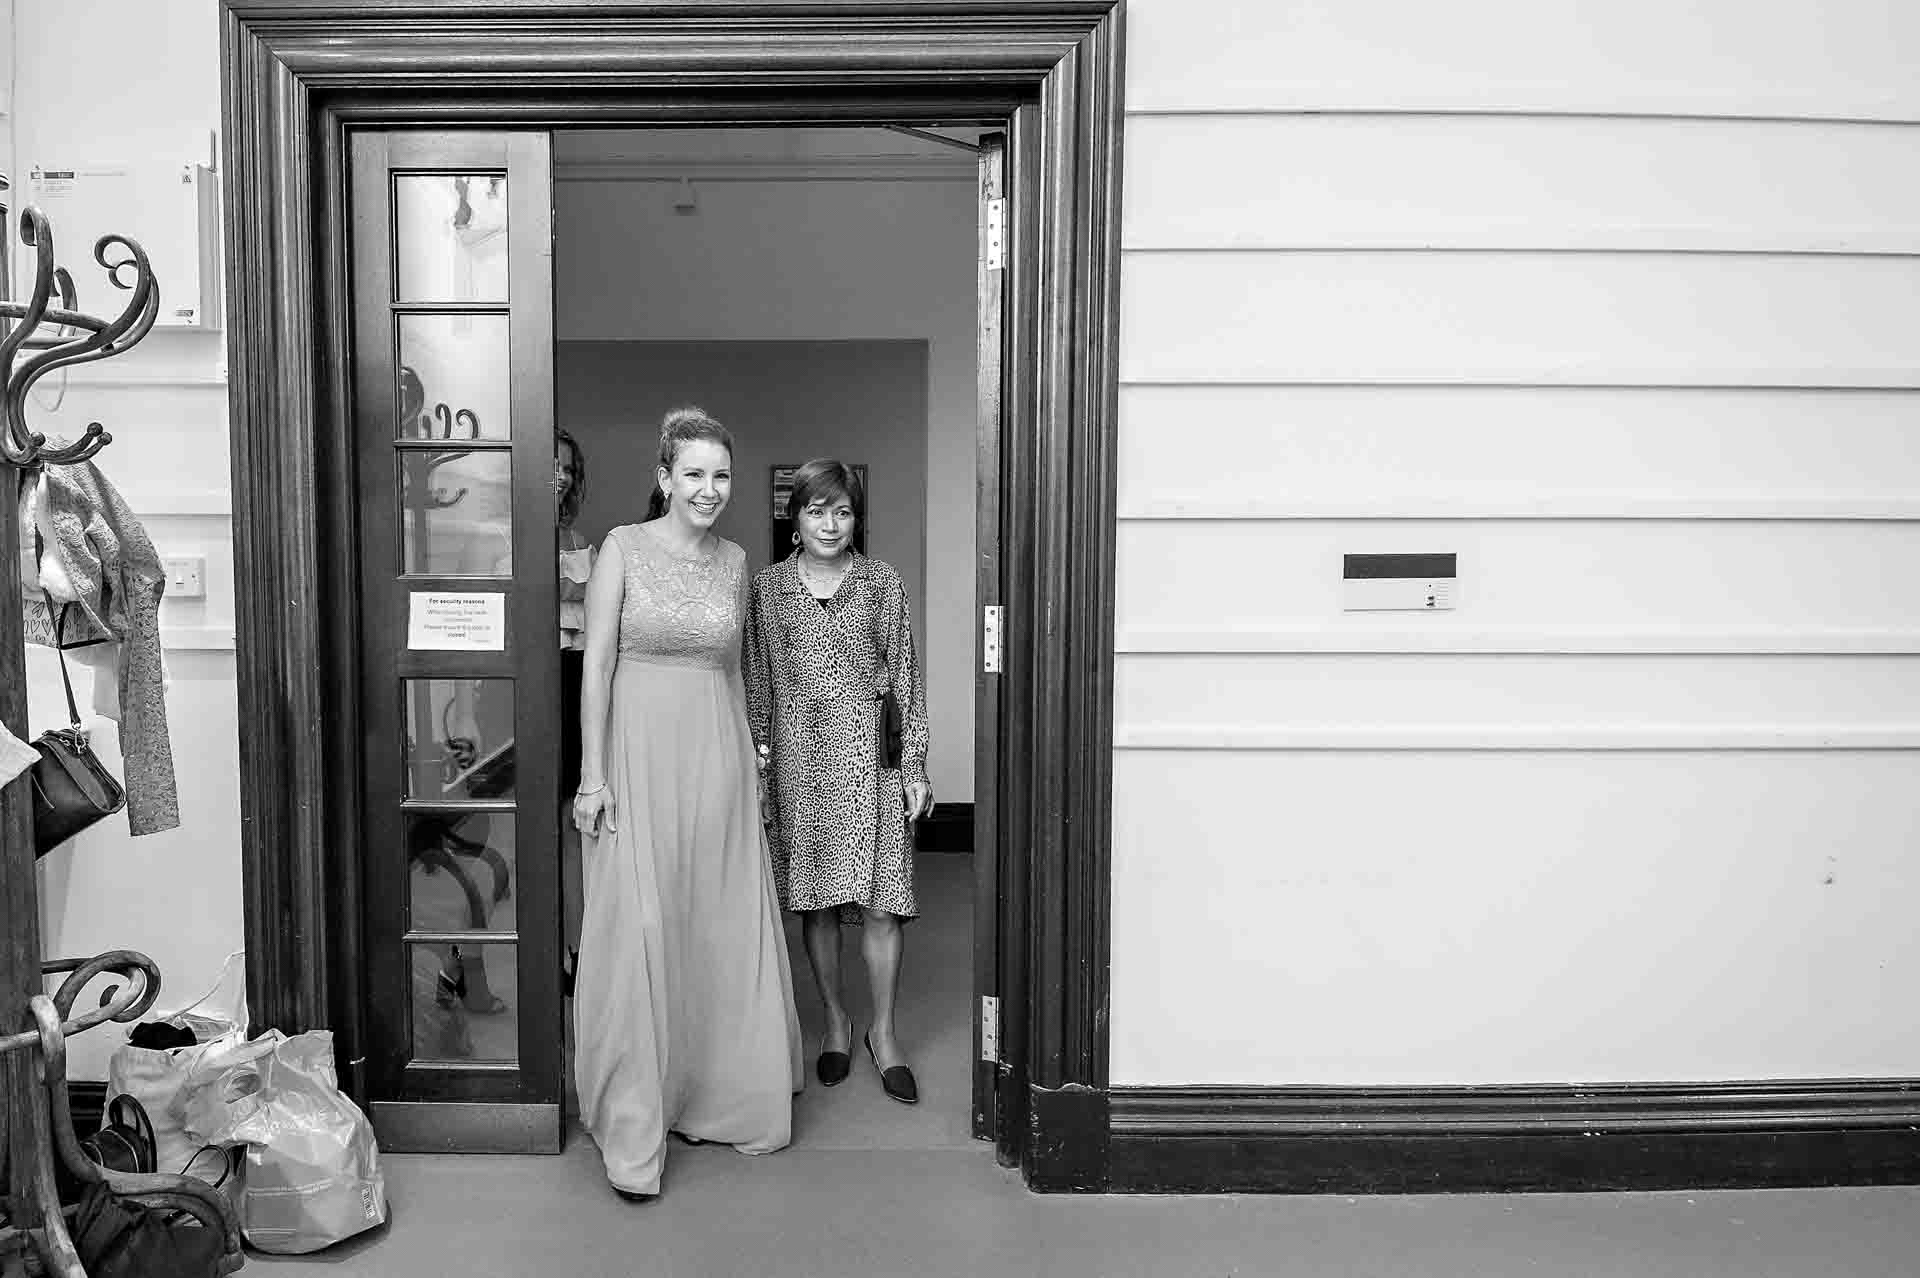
<point>466,622</point>
<point>1398,583</point>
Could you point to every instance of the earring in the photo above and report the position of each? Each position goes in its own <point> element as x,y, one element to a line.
<point>796,539</point>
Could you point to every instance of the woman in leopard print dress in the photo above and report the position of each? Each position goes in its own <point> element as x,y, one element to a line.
<point>829,633</point>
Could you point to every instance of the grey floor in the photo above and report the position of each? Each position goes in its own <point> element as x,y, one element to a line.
<point>870,1187</point>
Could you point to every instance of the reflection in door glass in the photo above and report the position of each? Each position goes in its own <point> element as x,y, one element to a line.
<point>460,872</point>
<point>465,1000</point>
<point>450,237</point>
<point>454,382</point>
<point>456,517</point>
<point>459,735</point>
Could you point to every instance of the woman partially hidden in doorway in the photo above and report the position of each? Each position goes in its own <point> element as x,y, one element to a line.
<point>683,999</point>
<point>576,570</point>
<point>839,721</point>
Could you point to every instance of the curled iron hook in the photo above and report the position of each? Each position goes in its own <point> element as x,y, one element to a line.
<point>74,337</point>
<point>448,418</point>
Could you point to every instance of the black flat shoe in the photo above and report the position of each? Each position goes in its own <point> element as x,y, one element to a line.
<point>833,1067</point>
<point>896,1082</point>
<point>633,1197</point>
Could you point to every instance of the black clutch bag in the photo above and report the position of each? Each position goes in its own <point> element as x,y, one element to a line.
<point>889,735</point>
<point>72,789</point>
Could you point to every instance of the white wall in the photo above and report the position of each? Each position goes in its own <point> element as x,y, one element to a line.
<point>800,236</point>
<point>1605,300</point>
<point>150,91</point>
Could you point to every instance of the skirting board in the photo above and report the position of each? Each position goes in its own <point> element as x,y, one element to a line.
<point>1333,1140</point>
<point>949,829</point>
<point>444,1127</point>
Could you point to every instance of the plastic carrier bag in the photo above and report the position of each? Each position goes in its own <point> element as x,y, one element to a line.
<point>312,1173</point>
<point>157,1076</point>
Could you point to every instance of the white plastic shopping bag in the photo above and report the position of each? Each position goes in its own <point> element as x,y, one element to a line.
<point>312,1173</point>
<point>156,1076</point>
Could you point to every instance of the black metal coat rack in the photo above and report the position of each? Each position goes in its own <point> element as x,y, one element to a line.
<point>48,331</point>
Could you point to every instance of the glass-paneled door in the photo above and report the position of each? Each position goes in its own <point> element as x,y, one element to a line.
<point>459,681</point>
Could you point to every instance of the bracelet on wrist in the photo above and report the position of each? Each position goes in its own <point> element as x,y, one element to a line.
<point>581,794</point>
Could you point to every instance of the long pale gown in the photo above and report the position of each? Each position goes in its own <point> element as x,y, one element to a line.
<point>683,997</point>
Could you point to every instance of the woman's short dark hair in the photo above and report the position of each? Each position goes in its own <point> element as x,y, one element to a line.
<point>576,475</point>
<point>823,479</point>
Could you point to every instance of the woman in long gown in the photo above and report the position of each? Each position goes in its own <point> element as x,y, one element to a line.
<point>683,998</point>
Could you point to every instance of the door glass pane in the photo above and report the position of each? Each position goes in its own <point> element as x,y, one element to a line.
<point>450,237</point>
<point>456,517</point>
<point>460,872</point>
<point>453,377</point>
<point>459,735</point>
<point>465,1000</point>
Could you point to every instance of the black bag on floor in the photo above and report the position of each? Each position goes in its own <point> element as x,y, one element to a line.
<point>121,1238</point>
<point>123,1143</point>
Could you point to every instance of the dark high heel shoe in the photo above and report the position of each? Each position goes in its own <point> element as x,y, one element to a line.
<point>833,1067</point>
<point>896,1082</point>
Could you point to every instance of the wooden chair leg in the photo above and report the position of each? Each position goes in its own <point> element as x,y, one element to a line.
<point>50,1236</point>
<point>50,1135</point>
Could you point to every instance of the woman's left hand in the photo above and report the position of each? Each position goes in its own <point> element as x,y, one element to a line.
<point>919,800</point>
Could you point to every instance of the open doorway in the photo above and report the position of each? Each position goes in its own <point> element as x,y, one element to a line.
<point>815,291</point>
<point>305,88</point>
<point>464,450</point>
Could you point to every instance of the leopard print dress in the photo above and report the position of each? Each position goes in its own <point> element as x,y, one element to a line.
<point>814,671</point>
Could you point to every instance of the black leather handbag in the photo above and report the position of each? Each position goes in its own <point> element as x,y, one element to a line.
<point>72,789</point>
<point>124,1143</point>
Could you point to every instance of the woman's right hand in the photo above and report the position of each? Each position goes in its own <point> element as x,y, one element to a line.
<point>590,809</point>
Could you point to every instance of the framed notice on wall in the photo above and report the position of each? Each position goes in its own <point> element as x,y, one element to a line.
<point>782,543</point>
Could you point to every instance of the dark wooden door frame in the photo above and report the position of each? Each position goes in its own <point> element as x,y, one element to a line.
<point>298,74</point>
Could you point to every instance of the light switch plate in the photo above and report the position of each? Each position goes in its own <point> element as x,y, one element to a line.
<point>186,576</point>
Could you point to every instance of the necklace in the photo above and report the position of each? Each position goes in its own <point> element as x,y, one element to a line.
<point>815,587</point>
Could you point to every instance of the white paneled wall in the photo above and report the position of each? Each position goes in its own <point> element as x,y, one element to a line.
<point>1520,916</point>
<point>1678,319</point>
<point>1619,304</point>
<point>1294,451</point>
<point>1847,60</point>
<point>1681,575</point>
<point>1413,181</point>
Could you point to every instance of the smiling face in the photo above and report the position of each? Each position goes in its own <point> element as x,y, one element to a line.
<point>700,483</point>
<point>826,525</point>
<point>564,461</point>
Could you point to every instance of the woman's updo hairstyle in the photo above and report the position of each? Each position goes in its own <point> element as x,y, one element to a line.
<point>680,427</point>
<point>824,479</point>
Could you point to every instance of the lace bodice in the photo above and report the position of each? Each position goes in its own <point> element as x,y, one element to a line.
<point>680,609</point>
